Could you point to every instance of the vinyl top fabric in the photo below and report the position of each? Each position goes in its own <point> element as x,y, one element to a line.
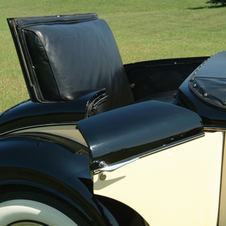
<point>208,81</point>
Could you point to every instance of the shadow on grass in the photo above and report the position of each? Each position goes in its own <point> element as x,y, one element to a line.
<point>207,7</point>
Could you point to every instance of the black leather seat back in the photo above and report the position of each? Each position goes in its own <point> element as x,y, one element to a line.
<point>68,59</point>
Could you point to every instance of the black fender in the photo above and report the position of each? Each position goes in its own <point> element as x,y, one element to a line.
<point>35,161</point>
<point>59,167</point>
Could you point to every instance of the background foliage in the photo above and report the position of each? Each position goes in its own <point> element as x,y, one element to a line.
<point>144,30</point>
<point>222,2</point>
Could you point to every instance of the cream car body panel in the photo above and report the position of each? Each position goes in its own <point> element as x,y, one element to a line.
<point>222,210</point>
<point>67,131</point>
<point>177,186</point>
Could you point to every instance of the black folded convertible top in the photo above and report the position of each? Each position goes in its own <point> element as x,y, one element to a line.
<point>208,81</point>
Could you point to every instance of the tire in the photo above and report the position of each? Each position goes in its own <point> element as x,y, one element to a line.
<point>33,209</point>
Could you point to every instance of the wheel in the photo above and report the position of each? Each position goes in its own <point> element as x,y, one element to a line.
<point>23,212</point>
<point>32,209</point>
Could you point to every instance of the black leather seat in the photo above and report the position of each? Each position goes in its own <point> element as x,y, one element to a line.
<point>69,56</point>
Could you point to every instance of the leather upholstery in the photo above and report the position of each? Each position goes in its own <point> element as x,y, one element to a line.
<point>72,59</point>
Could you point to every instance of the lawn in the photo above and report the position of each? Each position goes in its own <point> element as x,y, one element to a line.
<point>144,30</point>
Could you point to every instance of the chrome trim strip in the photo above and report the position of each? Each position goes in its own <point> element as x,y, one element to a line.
<point>114,166</point>
<point>215,128</point>
<point>172,145</point>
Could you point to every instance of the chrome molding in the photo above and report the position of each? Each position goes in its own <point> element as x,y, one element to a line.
<point>215,128</point>
<point>109,168</point>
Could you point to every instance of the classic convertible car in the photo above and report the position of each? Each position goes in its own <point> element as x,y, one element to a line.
<point>102,143</point>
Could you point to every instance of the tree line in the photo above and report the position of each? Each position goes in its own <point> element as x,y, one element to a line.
<point>222,2</point>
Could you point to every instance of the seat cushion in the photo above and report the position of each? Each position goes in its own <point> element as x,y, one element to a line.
<point>71,59</point>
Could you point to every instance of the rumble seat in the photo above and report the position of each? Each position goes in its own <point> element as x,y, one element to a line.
<point>66,57</point>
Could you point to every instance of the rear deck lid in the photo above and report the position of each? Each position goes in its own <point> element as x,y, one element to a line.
<point>133,130</point>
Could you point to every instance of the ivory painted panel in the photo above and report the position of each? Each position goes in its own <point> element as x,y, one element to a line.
<point>174,187</point>
<point>222,214</point>
<point>68,131</point>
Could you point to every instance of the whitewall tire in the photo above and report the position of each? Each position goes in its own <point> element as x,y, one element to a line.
<point>28,208</point>
<point>23,212</point>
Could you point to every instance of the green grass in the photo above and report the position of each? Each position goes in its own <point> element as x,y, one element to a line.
<point>144,30</point>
